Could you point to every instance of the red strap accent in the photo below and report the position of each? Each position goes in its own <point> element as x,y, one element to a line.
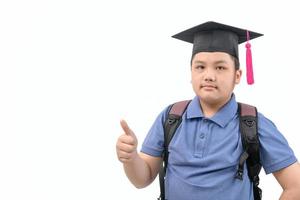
<point>247,110</point>
<point>178,108</point>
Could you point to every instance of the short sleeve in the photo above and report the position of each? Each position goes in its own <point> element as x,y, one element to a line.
<point>154,141</point>
<point>275,151</point>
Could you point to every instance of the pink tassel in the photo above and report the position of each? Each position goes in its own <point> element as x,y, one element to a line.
<point>249,67</point>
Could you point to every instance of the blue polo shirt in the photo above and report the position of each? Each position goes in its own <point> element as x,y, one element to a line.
<point>204,153</point>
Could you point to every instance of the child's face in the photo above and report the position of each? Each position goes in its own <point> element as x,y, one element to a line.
<point>214,77</point>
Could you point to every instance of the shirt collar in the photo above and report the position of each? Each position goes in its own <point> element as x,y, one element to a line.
<point>222,117</point>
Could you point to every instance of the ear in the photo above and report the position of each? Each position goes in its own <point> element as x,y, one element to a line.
<point>238,76</point>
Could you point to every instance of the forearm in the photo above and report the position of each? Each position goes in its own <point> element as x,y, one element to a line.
<point>289,179</point>
<point>290,194</point>
<point>138,172</point>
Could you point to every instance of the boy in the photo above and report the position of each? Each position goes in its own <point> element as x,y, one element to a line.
<point>205,150</point>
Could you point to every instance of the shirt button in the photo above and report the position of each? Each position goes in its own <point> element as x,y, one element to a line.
<point>202,136</point>
<point>205,120</point>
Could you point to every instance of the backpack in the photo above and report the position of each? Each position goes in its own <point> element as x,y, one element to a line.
<point>249,137</point>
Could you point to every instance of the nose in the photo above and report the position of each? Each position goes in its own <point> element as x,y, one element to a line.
<point>209,75</point>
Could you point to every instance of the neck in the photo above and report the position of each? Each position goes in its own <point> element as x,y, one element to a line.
<point>210,109</point>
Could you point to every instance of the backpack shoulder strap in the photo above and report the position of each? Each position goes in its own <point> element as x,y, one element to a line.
<point>173,120</point>
<point>250,141</point>
<point>171,124</point>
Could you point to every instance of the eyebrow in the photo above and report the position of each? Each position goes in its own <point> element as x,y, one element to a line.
<point>217,62</point>
<point>198,61</point>
<point>220,62</point>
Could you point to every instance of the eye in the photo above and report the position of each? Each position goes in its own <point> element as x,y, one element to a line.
<point>199,67</point>
<point>220,68</point>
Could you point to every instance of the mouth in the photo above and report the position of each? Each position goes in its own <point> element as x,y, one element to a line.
<point>210,87</point>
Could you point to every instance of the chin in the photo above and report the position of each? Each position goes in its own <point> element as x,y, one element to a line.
<point>210,99</point>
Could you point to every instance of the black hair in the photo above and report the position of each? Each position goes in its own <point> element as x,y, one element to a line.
<point>236,62</point>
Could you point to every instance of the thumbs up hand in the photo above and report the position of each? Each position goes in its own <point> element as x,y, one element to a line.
<point>126,146</point>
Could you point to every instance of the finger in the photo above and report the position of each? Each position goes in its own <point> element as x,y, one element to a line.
<point>127,139</point>
<point>126,128</point>
<point>124,160</point>
<point>126,148</point>
<point>123,154</point>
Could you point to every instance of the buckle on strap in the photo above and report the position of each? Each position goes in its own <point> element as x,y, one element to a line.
<point>240,171</point>
<point>239,174</point>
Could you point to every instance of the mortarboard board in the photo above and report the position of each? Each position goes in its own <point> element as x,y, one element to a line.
<point>216,37</point>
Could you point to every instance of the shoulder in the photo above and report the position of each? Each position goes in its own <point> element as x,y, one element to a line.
<point>265,122</point>
<point>275,151</point>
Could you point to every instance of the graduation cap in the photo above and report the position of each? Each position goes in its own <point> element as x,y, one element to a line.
<point>216,37</point>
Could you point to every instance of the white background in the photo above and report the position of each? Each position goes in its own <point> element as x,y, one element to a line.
<point>70,70</point>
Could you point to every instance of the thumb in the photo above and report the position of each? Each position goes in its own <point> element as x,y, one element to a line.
<point>126,128</point>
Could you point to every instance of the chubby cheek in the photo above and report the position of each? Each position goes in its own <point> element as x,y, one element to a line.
<point>195,84</point>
